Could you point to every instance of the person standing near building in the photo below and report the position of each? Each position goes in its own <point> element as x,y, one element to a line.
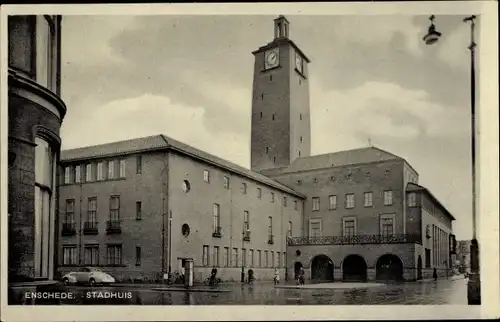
<point>276,276</point>
<point>434,274</point>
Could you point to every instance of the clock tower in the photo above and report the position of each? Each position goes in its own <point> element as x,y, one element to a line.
<point>281,123</point>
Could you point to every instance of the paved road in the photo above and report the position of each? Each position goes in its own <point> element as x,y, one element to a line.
<point>432,293</point>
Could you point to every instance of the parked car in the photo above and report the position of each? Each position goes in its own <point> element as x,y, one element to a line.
<point>88,275</point>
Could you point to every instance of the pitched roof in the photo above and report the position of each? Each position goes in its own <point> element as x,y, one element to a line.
<point>163,142</point>
<point>415,187</point>
<point>335,159</point>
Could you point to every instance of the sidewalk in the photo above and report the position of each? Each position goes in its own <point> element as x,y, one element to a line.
<point>450,278</point>
<point>333,285</point>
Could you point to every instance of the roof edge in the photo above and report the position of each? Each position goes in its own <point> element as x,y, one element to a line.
<point>428,192</point>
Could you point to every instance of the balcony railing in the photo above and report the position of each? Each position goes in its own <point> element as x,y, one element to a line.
<point>68,229</point>
<point>217,232</point>
<point>90,228</point>
<point>356,240</point>
<point>246,236</point>
<point>270,239</point>
<point>113,227</point>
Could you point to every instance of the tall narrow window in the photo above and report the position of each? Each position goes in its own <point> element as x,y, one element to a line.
<point>215,260</point>
<point>138,210</point>
<point>259,193</point>
<point>412,199</point>
<point>243,257</point>
<point>122,168</point>
<point>91,255</point>
<point>137,256</point>
<point>259,258</point>
<point>387,198</point>
<point>315,203</point>
<point>70,211</point>
<point>88,173</point>
<point>114,209</point>
<point>266,258</point>
<point>349,200</point>
<point>216,219</point>
<point>92,212</point>
<point>332,202</point>
<point>272,197</point>
<point>295,205</point>
<point>246,219</point>
<point>290,232</point>
<point>111,169</point>
<point>387,225</point>
<point>78,174</point>
<point>67,177</point>
<point>226,182</point>
<point>251,258</point>
<point>138,164</point>
<point>272,259</point>
<point>206,176</point>
<point>285,201</point>
<point>349,226</point>
<point>270,227</point>
<point>244,188</point>
<point>100,173</point>
<point>235,257</point>
<point>205,255</point>
<point>69,255</point>
<point>368,199</point>
<point>227,259</point>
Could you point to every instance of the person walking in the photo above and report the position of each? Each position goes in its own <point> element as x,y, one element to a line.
<point>434,274</point>
<point>276,276</point>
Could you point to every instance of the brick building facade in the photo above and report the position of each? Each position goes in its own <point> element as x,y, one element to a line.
<point>117,200</point>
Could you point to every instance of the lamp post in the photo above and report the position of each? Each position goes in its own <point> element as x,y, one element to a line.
<point>243,255</point>
<point>473,293</point>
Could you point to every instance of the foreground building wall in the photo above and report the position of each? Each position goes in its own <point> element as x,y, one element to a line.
<point>35,112</point>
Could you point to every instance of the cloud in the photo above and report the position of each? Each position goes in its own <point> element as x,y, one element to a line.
<point>150,115</point>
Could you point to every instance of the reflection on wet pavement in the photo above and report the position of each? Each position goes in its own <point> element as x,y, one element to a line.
<point>443,292</point>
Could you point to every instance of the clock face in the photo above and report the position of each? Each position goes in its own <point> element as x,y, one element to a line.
<point>272,58</point>
<point>298,63</point>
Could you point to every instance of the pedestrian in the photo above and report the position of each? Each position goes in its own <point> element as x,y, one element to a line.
<point>302,279</point>
<point>250,277</point>
<point>276,276</point>
<point>213,276</point>
<point>434,274</point>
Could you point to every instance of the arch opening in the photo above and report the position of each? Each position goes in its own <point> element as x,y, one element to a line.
<point>389,268</point>
<point>322,268</point>
<point>354,269</point>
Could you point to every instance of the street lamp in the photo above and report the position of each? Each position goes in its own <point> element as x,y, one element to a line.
<point>431,38</point>
<point>244,231</point>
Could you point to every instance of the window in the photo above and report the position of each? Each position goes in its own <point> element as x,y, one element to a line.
<point>427,258</point>
<point>278,260</point>
<point>301,139</point>
<point>272,259</point>
<point>250,255</point>
<point>227,262</point>
<point>111,169</point>
<point>138,210</point>
<point>284,259</point>
<point>100,174</point>
<point>91,255</point>
<point>138,164</point>
<point>226,182</point>
<point>244,188</point>
<point>114,208</point>
<point>67,178</point>
<point>315,203</point>
<point>235,257</point>
<point>285,201</point>
<point>261,115</point>
<point>243,257</point>
<point>88,172</point>
<point>122,168</point>
<point>114,255</point>
<point>349,225</point>
<point>272,197</point>
<point>270,227</point>
<point>387,198</point>
<point>289,233</point>
<point>368,199</point>
<point>315,227</point>
<point>216,218</point>
<point>259,193</point>
<point>215,259</point>
<point>246,219</point>
<point>70,211</point>
<point>78,174</point>
<point>206,176</point>
<point>387,225</point>
<point>261,97</point>
<point>412,199</point>
<point>332,202</point>
<point>349,200</point>
<point>266,258</point>
<point>92,211</point>
<point>43,52</point>
<point>299,153</point>
<point>295,204</point>
<point>69,255</point>
<point>137,256</point>
<point>259,258</point>
<point>205,255</point>
<point>274,159</point>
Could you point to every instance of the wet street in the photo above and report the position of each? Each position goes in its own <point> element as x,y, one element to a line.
<point>421,293</point>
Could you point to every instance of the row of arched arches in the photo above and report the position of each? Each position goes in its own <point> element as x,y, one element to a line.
<point>389,267</point>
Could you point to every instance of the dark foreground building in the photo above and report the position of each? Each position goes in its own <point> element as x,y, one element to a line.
<point>35,112</point>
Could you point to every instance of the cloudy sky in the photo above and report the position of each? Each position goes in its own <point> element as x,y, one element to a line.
<point>190,78</point>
